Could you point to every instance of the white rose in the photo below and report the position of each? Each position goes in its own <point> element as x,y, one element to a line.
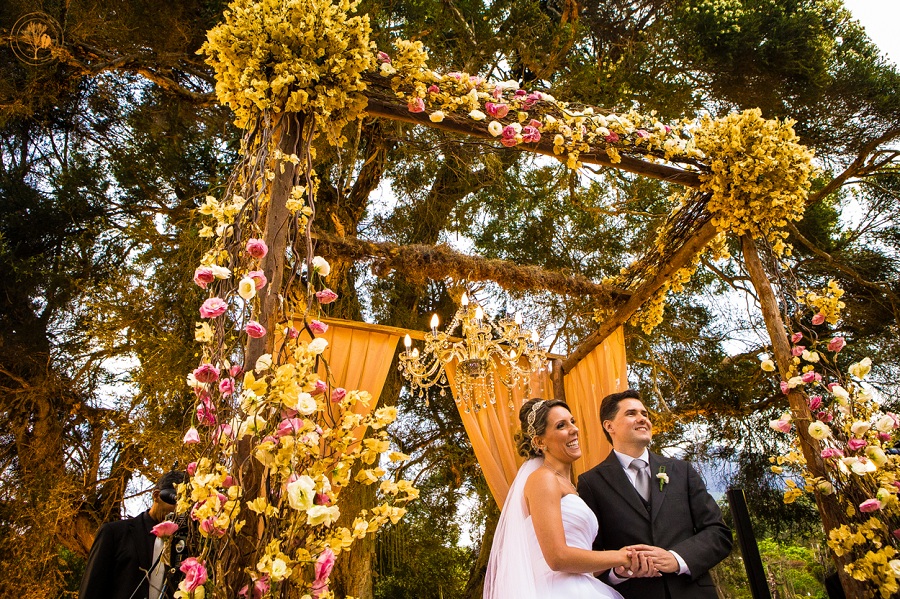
<point>767,365</point>
<point>193,382</point>
<point>877,455</point>
<point>885,424</point>
<point>819,430</point>
<point>495,128</point>
<point>321,266</point>
<point>437,116</point>
<point>840,392</point>
<point>795,381</point>
<point>860,428</point>
<point>477,115</point>
<point>263,363</point>
<point>220,272</point>
<point>861,368</point>
<point>322,514</point>
<point>247,288</point>
<point>301,493</point>
<point>306,405</point>
<point>895,566</point>
<point>318,345</point>
<point>279,569</point>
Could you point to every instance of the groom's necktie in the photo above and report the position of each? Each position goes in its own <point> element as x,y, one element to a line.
<point>641,478</point>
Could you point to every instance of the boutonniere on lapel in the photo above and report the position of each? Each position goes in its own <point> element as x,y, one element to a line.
<point>663,477</point>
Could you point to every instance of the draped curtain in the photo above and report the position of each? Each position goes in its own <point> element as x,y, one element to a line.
<point>601,372</point>
<point>491,429</point>
<point>359,356</point>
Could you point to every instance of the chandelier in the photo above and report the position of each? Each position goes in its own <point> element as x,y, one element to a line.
<point>488,352</point>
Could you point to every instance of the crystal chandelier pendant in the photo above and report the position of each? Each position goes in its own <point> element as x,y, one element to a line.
<point>487,353</point>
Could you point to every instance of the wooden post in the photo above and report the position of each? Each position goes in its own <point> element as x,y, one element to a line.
<point>288,133</point>
<point>829,509</point>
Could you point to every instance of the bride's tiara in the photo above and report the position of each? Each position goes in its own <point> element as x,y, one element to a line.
<point>532,414</point>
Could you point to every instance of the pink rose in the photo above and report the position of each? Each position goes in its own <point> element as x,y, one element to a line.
<point>642,134</point>
<point>259,277</point>
<point>164,529</point>
<point>213,307</point>
<point>825,417</point>
<point>194,574</point>
<point>884,436</point>
<point>228,482</point>
<point>818,319</point>
<point>836,344</point>
<point>324,565</point>
<point>255,330</point>
<point>433,89</point>
<point>326,296</point>
<point>322,499</point>
<point>191,468</point>
<point>785,388</point>
<point>191,437</point>
<point>870,505</point>
<point>783,426</point>
<point>809,377</point>
<point>612,138</point>
<point>203,276</point>
<point>289,426</point>
<point>318,327</point>
<point>206,413</point>
<point>235,370</point>
<point>208,526</point>
<point>536,124</point>
<point>831,386</point>
<point>338,394</point>
<point>226,386</point>
<point>520,92</point>
<point>206,373</point>
<point>815,402</point>
<point>416,105</point>
<point>509,136</point>
<point>319,388</point>
<point>798,350</point>
<point>257,248</point>
<point>223,430</point>
<point>288,412</point>
<point>383,57</point>
<point>498,111</point>
<point>796,337</point>
<point>830,452</point>
<point>856,444</point>
<point>531,135</point>
<point>896,533</point>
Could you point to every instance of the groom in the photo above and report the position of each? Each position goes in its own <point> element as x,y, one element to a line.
<point>673,512</point>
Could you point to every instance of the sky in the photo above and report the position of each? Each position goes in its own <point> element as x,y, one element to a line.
<point>880,18</point>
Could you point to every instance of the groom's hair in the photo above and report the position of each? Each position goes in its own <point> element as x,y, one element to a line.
<point>609,407</point>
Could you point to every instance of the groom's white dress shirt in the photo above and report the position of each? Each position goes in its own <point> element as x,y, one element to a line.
<point>625,461</point>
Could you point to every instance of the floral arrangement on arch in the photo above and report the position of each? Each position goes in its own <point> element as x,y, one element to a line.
<point>855,437</point>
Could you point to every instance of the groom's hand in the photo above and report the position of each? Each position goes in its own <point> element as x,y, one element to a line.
<point>641,563</point>
<point>662,559</point>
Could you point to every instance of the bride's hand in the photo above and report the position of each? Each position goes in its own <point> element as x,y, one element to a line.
<point>639,564</point>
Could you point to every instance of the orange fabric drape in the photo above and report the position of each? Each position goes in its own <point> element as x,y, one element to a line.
<point>601,372</point>
<point>491,430</point>
<point>358,359</point>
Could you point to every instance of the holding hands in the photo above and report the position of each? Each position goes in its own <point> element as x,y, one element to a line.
<point>645,561</point>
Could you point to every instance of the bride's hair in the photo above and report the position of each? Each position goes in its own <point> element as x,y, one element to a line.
<point>533,421</point>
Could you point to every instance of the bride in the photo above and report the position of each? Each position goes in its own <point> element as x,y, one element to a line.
<point>542,546</point>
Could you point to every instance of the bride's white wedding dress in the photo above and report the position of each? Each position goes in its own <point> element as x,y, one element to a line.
<point>517,568</point>
<point>580,525</point>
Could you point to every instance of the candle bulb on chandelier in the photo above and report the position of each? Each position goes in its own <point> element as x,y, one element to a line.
<point>479,313</point>
<point>464,301</point>
<point>518,318</point>
<point>407,341</point>
<point>434,323</point>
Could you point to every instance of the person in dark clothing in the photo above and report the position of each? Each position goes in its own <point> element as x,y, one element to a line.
<point>124,562</point>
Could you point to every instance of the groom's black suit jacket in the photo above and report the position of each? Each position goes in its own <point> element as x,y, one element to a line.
<point>683,518</point>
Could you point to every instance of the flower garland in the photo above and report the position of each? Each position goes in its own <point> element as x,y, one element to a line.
<point>855,433</point>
